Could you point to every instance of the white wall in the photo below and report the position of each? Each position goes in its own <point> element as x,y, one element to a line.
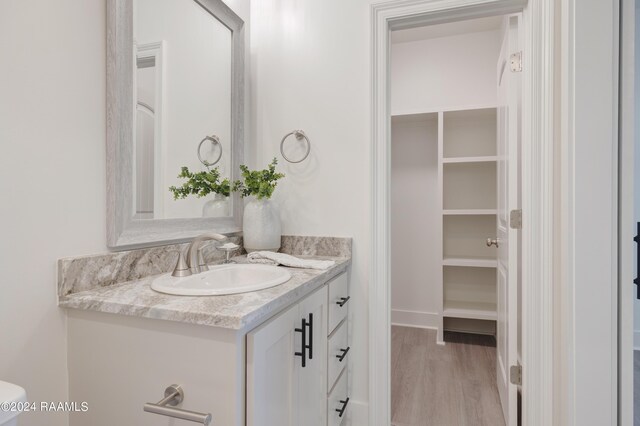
<point>310,68</point>
<point>589,197</point>
<point>196,91</point>
<point>416,245</point>
<point>444,72</point>
<point>52,179</point>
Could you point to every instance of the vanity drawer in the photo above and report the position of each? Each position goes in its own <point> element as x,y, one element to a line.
<point>338,353</point>
<point>338,406</point>
<point>338,300</point>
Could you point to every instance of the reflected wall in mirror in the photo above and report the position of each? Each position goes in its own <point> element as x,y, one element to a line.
<point>175,77</point>
<point>183,90</point>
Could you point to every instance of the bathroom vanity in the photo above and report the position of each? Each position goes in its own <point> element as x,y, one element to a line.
<point>277,357</point>
<point>273,357</point>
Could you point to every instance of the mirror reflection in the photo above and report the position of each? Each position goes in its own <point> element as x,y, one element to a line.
<point>182,122</point>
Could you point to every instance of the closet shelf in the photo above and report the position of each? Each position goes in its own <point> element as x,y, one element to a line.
<point>470,310</point>
<point>486,159</point>
<point>469,212</point>
<point>479,262</point>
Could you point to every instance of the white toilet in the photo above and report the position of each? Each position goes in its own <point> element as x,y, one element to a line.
<point>10,393</point>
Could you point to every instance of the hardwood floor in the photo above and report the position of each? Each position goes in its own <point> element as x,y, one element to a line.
<point>450,385</point>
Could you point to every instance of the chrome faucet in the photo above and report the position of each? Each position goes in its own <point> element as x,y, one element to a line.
<point>194,262</point>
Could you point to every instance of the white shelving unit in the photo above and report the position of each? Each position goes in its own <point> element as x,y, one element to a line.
<point>470,310</point>
<point>468,164</point>
<point>463,277</point>
<point>486,159</point>
<point>478,262</point>
<point>471,212</point>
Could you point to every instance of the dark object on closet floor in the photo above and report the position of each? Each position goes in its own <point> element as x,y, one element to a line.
<point>469,338</point>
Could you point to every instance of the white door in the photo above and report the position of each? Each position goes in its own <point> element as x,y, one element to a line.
<point>508,139</point>
<point>312,409</point>
<point>272,376</point>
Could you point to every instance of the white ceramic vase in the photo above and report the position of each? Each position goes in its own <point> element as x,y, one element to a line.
<point>261,226</point>
<point>216,207</point>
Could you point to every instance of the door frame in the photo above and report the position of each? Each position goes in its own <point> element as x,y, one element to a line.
<point>538,99</point>
<point>626,216</point>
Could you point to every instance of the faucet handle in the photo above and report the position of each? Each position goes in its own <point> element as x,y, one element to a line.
<point>228,248</point>
<point>182,268</point>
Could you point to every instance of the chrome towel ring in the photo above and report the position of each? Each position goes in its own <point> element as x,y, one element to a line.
<point>215,141</point>
<point>299,134</point>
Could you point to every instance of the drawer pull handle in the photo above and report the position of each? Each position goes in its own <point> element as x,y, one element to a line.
<point>174,395</point>
<point>342,301</point>
<point>344,403</point>
<point>303,347</point>
<point>344,353</point>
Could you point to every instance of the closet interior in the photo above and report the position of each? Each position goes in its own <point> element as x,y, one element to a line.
<point>455,220</point>
<point>444,183</point>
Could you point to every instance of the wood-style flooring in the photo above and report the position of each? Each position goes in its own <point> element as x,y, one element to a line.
<point>450,385</point>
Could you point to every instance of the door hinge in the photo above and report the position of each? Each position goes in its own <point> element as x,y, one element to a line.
<point>515,219</point>
<point>515,374</point>
<point>516,62</point>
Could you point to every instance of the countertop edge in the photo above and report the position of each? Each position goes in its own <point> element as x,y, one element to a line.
<point>241,324</point>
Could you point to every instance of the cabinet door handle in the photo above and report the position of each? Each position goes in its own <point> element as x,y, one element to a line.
<point>303,347</point>
<point>344,403</point>
<point>310,345</point>
<point>636,281</point>
<point>343,354</point>
<point>342,301</point>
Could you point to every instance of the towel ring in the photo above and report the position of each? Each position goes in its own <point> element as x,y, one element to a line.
<point>299,134</point>
<point>215,141</point>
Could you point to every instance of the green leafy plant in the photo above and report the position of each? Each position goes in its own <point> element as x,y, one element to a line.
<point>259,183</point>
<point>201,184</point>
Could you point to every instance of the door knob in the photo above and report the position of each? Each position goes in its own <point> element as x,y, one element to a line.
<point>493,242</point>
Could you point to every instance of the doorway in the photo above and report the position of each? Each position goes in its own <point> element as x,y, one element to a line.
<point>537,241</point>
<point>455,136</point>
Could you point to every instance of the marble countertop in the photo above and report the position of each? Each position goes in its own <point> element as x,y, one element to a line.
<point>238,311</point>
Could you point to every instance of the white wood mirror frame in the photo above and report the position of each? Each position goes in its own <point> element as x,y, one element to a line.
<point>123,231</point>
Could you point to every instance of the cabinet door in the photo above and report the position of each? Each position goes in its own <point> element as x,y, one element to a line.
<point>312,408</point>
<point>272,376</point>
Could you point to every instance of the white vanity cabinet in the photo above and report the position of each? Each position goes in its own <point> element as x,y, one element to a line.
<point>286,373</point>
<point>118,363</point>
<point>294,361</point>
<point>252,376</point>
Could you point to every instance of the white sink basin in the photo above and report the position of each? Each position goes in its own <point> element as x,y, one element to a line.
<point>223,279</point>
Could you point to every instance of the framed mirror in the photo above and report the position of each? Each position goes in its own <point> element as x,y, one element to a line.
<point>175,100</point>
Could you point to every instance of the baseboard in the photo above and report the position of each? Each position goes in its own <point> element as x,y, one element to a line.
<point>636,340</point>
<point>415,319</point>
<point>358,413</point>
